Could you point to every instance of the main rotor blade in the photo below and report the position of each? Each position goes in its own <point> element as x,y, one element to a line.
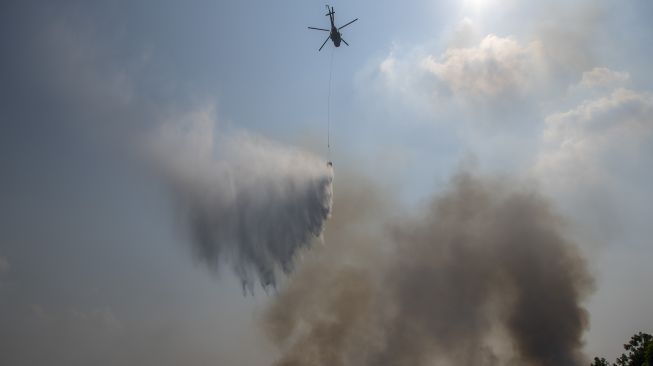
<point>322,29</point>
<point>342,39</point>
<point>348,24</point>
<point>325,41</point>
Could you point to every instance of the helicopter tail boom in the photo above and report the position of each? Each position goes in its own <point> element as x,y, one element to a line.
<point>330,13</point>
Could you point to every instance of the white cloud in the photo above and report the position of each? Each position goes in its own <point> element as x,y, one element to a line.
<point>401,77</point>
<point>602,77</point>
<point>497,66</point>
<point>588,142</point>
<point>594,160</point>
<point>494,69</point>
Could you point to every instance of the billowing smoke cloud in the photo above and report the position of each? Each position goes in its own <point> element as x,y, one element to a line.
<point>247,201</point>
<point>485,276</point>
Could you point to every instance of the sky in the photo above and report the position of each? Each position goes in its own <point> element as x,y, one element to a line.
<point>96,262</point>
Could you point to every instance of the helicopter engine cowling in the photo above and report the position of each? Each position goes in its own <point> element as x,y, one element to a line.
<point>335,37</point>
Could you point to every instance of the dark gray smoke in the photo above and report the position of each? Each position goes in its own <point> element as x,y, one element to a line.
<point>246,201</point>
<point>484,277</point>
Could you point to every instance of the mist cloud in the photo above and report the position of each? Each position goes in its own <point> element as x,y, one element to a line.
<point>247,201</point>
<point>484,276</point>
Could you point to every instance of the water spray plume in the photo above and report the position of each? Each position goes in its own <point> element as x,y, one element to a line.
<point>247,202</point>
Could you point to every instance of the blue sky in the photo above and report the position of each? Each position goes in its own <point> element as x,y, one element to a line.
<point>557,94</point>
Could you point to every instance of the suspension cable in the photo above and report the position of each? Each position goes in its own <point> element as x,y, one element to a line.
<point>329,107</point>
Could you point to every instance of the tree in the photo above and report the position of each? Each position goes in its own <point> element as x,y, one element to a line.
<point>600,362</point>
<point>639,352</point>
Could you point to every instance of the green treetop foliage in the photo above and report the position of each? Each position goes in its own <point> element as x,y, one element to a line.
<point>639,353</point>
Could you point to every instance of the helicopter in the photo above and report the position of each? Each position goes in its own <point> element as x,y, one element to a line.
<point>334,33</point>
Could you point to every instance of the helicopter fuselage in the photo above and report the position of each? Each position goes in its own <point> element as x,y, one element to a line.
<point>335,36</point>
<point>334,32</point>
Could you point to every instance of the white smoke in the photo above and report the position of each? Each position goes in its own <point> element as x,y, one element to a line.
<point>247,201</point>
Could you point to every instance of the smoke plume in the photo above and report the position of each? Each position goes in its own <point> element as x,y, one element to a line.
<point>484,276</point>
<point>247,201</point>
